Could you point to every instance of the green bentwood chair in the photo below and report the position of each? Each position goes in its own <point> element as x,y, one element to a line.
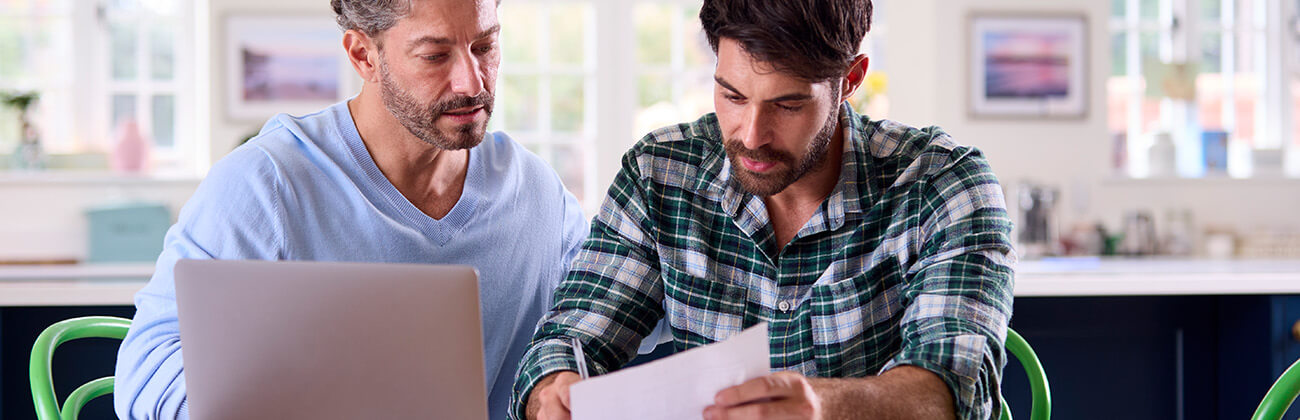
<point>47,404</point>
<point>1042,392</point>
<point>1280,396</point>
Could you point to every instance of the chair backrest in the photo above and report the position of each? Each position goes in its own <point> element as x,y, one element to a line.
<point>1042,392</point>
<point>1280,396</point>
<point>47,404</point>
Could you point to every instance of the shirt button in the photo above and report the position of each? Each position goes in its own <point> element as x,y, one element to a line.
<point>784,306</point>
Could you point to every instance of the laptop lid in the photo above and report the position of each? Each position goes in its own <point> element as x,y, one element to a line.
<point>317,340</point>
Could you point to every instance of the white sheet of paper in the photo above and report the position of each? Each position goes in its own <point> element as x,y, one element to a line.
<point>676,387</point>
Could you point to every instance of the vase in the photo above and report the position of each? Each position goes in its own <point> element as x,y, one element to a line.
<point>29,155</point>
<point>131,153</point>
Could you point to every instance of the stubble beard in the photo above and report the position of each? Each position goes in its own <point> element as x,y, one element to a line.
<point>421,120</point>
<point>769,184</point>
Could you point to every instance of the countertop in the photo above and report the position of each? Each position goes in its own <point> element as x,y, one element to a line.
<point>116,284</point>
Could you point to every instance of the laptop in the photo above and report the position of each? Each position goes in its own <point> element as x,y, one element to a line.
<point>318,340</point>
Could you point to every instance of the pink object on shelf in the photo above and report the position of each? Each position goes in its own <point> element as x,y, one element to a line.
<point>131,153</point>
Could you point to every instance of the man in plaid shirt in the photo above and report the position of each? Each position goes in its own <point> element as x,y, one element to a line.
<point>878,254</point>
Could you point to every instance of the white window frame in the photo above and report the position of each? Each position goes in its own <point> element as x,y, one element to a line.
<point>611,101</point>
<point>544,139</point>
<point>180,158</point>
<point>84,125</point>
<point>1272,127</point>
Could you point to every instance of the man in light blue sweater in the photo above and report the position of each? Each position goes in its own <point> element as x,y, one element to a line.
<point>404,172</point>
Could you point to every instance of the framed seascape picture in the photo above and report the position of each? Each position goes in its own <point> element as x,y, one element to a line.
<point>1028,65</point>
<point>291,64</point>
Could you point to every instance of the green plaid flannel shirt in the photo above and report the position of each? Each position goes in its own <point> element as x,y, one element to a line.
<point>907,262</point>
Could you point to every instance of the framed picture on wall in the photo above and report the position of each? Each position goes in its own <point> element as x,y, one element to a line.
<point>283,63</point>
<point>1028,65</point>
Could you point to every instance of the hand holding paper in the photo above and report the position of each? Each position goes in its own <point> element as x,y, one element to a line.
<point>677,387</point>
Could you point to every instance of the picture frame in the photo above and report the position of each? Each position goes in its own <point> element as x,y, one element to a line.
<point>283,64</point>
<point>1028,65</point>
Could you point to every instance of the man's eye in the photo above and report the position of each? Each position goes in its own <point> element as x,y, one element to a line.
<point>734,98</point>
<point>484,49</point>
<point>790,108</point>
<point>434,57</point>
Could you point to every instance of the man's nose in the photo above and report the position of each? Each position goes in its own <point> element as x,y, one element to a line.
<point>466,78</point>
<point>753,130</point>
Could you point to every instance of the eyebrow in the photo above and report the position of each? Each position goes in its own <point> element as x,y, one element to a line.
<point>429,39</point>
<point>782,98</point>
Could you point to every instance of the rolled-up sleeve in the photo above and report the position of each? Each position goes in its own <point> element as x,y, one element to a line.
<point>959,295</point>
<point>611,299</point>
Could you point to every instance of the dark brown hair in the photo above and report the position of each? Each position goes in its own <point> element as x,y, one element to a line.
<point>814,40</point>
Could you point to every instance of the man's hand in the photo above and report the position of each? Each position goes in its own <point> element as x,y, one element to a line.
<point>550,397</point>
<point>781,395</point>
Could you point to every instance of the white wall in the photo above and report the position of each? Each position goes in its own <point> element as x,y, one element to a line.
<point>928,85</point>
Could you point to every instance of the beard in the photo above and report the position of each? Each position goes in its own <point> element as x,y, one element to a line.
<point>421,119</point>
<point>788,169</point>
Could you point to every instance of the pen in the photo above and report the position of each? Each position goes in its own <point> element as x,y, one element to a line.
<point>582,358</point>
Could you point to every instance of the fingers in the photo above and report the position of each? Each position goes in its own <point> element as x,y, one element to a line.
<point>782,409</point>
<point>551,397</point>
<point>553,412</point>
<point>562,383</point>
<point>771,387</point>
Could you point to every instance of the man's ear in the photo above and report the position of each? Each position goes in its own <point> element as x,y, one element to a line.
<point>363,53</point>
<point>857,73</point>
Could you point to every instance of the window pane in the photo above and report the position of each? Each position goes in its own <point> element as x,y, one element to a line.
<point>1118,8</point>
<point>1211,87</point>
<point>164,120</point>
<point>12,48</point>
<point>10,130</point>
<point>123,109</point>
<point>519,40</point>
<point>653,33</point>
<point>1150,9</point>
<point>162,57</point>
<point>520,97</point>
<point>567,103</point>
<point>1212,52</point>
<point>653,89</point>
<point>1211,10</point>
<point>697,51</point>
<point>122,36</point>
<point>1118,54</point>
<point>569,22</point>
<point>569,163</point>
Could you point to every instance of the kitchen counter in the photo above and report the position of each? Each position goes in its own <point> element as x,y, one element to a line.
<point>1155,276</point>
<point>72,285</point>
<point>115,284</point>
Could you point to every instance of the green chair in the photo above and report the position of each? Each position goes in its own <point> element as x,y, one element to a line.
<point>47,404</point>
<point>1042,393</point>
<point>1280,396</point>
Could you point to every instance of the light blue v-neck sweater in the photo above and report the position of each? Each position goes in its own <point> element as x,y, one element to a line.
<point>306,188</point>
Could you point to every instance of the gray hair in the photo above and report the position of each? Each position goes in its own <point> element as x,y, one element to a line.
<point>371,17</point>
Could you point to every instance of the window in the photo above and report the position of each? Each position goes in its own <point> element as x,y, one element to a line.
<point>675,65</point>
<point>546,87</point>
<point>1196,72</point>
<point>655,69</point>
<point>96,66</point>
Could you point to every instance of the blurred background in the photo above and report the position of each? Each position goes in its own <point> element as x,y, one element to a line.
<point>1149,151</point>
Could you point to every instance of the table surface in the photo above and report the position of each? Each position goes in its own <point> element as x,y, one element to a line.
<point>116,284</point>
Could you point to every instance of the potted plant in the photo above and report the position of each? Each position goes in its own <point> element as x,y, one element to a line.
<point>28,155</point>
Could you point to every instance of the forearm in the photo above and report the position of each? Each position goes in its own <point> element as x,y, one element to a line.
<point>905,392</point>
